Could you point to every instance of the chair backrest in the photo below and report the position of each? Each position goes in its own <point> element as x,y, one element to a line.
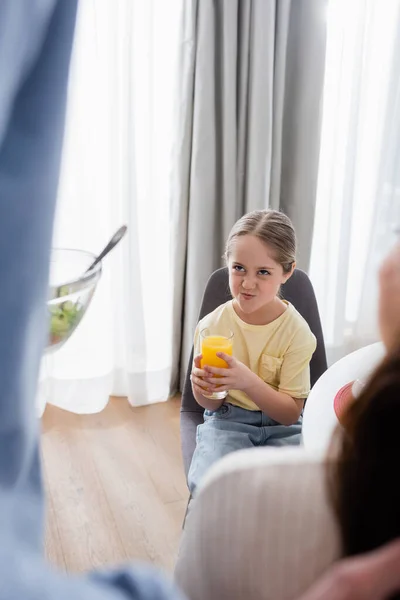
<point>298,290</point>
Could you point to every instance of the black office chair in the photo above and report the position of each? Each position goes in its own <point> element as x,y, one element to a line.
<point>298,291</point>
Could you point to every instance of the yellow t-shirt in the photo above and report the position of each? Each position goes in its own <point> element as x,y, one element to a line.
<point>279,352</point>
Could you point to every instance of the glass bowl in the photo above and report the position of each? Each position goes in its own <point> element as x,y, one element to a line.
<point>71,291</point>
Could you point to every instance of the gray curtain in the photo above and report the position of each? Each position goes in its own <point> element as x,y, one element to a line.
<point>249,102</point>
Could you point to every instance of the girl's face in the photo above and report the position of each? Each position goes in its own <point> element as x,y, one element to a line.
<point>254,275</point>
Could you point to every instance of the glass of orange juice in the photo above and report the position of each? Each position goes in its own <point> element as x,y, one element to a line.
<point>211,344</point>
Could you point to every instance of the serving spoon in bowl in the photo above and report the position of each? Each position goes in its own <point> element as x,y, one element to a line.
<point>116,238</point>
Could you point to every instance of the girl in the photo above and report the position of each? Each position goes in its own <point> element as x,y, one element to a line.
<point>268,377</point>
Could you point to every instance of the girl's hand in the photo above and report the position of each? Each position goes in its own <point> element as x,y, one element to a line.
<point>198,375</point>
<point>389,299</point>
<point>236,377</point>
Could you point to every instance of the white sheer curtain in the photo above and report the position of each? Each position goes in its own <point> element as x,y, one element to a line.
<point>358,195</point>
<point>116,169</point>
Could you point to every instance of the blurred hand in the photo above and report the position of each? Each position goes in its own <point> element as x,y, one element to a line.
<point>373,576</point>
<point>389,299</point>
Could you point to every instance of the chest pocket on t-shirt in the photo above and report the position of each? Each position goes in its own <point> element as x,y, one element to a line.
<point>270,369</point>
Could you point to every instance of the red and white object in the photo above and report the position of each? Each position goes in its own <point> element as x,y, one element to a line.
<point>320,417</point>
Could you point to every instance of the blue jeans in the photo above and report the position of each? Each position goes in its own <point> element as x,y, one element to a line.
<point>232,428</point>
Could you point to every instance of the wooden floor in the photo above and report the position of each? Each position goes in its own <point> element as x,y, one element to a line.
<point>115,485</point>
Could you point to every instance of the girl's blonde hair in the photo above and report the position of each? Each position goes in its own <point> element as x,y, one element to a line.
<point>273,228</point>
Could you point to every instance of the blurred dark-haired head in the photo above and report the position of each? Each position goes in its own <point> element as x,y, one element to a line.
<point>364,481</point>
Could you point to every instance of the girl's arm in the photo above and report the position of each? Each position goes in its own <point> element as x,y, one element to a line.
<point>279,406</point>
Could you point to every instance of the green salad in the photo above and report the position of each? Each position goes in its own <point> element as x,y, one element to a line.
<point>64,318</point>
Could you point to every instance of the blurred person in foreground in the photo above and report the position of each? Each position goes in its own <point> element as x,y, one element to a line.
<point>267,524</point>
<point>35,47</point>
<point>362,479</point>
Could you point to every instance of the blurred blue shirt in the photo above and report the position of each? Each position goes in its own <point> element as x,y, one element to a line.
<point>35,48</point>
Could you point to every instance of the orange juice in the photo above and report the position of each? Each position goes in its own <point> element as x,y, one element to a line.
<point>212,344</point>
